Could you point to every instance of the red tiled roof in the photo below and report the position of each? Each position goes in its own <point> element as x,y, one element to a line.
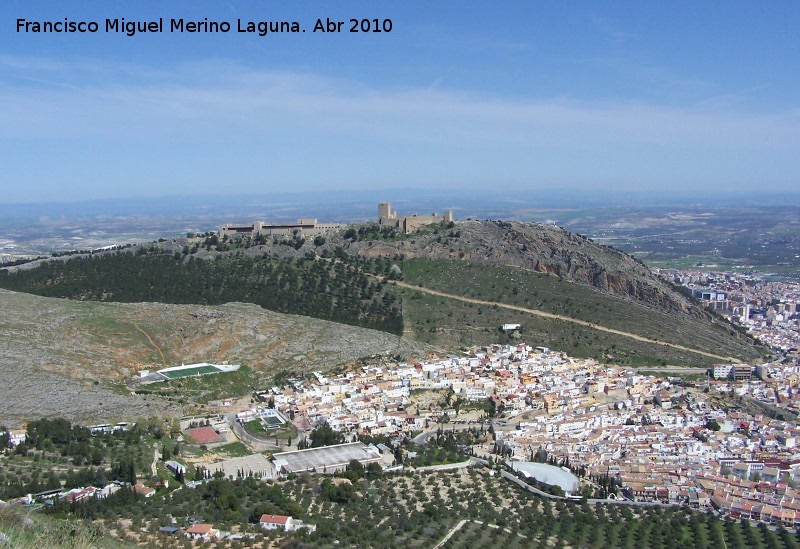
<point>274,519</point>
<point>200,529</point>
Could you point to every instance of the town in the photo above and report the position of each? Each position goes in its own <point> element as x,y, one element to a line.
<point>718,442</point>
<point>768,309</point>
<point>662,440</point>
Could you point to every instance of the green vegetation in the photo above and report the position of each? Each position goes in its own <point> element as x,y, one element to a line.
<point>234,449</point>
<point>440,450</point>
<point>322,435</point>
<point>204,389</point>
<point>26,530</point>
<point>190,372</point>
<point>445,321</point>
<point>58,453</point>
<point>224,503</point>
<point>361,507</point>
<point>254,426</point>
<point>339,290</point>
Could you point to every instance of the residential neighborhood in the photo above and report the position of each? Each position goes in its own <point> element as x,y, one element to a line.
<point>661,438</point>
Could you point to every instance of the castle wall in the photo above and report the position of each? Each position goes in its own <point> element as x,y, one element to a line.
<point>308,226</point>
<point>411,223</point>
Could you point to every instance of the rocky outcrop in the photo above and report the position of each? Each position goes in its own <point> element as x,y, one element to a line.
<point>540,248</point>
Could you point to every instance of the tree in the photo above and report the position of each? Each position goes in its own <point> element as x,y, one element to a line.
<point>374,470</point>
<point>357,467</point>
<point>325,435</point>
<point>97,457</point>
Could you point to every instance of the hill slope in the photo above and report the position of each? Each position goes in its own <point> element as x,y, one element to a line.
<point>512,263</point>
<point>57,356</point>
<point>538,248</point>
<point>607,301</point>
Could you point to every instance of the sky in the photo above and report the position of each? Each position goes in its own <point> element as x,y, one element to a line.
<point>640,96</point>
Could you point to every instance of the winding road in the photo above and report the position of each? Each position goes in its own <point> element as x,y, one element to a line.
<point>553,316</point>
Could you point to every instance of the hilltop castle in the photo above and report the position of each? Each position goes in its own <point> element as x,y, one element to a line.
<point>310,226</point>
<point>302,227</point>
<point>411,223</point>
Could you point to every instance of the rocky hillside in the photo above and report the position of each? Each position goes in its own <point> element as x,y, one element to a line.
<point>539,248</point>
<point>531,246</point>
<point>601,285</point>
<point>72,359</point>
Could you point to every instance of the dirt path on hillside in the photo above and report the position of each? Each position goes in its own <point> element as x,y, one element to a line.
<point>553,316</point>
<point>153,343</point>
<point>155,461</point>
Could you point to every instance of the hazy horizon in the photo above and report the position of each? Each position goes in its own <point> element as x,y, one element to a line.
<point>564,198</point>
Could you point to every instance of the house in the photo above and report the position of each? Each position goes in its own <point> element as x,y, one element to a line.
<point>770,474</point>
<point>275,522</point>
<point>281,522</point>
<point>205,532</point>
<point>77,494</point>
<point>143,490</point>
<point>16,437</point>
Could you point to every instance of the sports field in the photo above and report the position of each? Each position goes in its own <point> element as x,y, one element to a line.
<point>188,372</point>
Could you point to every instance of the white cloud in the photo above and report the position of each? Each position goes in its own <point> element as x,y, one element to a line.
<point>216,99</point>
<point>440,133</point>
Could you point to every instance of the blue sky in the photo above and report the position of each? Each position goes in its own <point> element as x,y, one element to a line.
<point>661,96</point>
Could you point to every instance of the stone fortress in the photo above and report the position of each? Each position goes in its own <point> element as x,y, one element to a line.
<point>310,226</point>
<point>410,223</point>
<point>305,226</point>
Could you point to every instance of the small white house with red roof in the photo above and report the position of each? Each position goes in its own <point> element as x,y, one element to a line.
<point>276,522</point>
<point>202,531</point>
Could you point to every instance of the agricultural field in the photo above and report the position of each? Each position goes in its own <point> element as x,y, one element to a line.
<point>468,507</point>
<point>420,510</point>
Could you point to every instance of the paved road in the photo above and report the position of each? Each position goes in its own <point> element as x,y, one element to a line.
<point>155,461</point>
<point>472,461</point>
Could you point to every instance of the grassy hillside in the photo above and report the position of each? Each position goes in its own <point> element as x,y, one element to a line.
<point>58,356</point>
<point>526,265</point>
<point>36,531</point>
<point>444,321</point>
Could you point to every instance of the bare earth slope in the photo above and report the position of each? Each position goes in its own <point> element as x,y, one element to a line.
<point>57,356</point>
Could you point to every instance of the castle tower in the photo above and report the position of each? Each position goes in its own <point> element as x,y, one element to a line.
<point>385,211</point>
